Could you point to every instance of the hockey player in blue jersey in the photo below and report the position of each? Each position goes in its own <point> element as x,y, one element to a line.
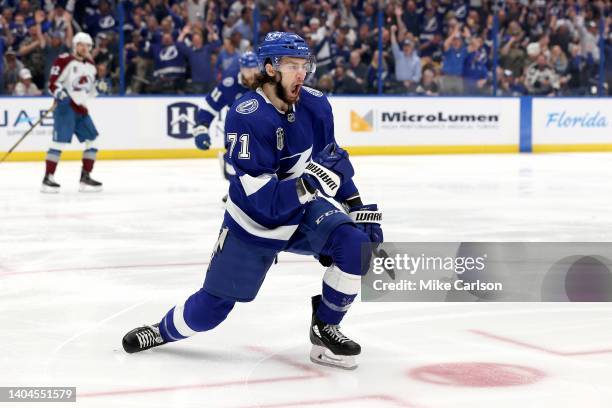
<point>221,97</point>
<point>224,94</point>
<point>288,168</point>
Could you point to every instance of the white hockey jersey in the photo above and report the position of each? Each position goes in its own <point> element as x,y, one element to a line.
<point>76,77</point>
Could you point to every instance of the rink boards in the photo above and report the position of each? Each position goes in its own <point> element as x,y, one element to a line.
<point>160,127</point>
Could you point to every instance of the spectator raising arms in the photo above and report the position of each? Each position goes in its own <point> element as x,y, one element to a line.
<point>199,56</point>
<point>407,63</point>
<point>453,59</point>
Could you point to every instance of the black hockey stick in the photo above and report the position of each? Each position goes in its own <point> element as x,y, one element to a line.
<point>29,131</point>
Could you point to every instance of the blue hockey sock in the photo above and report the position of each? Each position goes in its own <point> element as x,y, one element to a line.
<point>200,312</point>
<point>342,280</point>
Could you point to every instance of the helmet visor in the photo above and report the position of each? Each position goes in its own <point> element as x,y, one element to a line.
<point>308,66</point>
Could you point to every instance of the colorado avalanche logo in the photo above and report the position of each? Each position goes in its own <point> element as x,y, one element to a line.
<point>83,83</point>
<point>169,53</point>
<point>247,107</point>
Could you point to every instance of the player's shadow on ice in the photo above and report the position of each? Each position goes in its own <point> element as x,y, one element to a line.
<point>208,355</point>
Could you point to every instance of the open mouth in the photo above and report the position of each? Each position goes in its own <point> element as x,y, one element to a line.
<point>296,89</point>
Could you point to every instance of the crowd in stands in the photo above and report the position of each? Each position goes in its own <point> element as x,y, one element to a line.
<point>429,47</point>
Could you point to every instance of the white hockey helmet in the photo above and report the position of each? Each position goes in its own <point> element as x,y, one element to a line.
<point>83,38</point>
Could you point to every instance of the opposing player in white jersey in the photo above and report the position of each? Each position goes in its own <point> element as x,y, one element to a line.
<point>71,82</point>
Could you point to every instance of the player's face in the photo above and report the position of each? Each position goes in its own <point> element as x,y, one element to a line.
<point>82,50</point>
<point>293,73</point>
<point>248,75</point>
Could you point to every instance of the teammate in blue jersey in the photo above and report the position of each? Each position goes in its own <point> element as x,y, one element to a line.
<point>221,97</point>
<point>231,88</point>
<point>288,170</point>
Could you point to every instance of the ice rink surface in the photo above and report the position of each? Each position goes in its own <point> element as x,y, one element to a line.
<point>78,270</point>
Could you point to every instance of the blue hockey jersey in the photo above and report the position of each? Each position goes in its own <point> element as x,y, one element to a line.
<point>268,150</point>
<point>168,61</point>
<point>224,94</point>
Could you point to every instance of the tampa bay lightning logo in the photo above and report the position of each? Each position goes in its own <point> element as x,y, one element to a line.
<point>181,119</point>
<point>275,35</point>
<point>247,107</point>
<point>107,22</point>
<point>227,82</point>
<point>168,53</point>
<point>461,12</point>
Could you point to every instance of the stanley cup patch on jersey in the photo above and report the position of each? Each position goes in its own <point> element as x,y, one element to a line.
<point>280,138</point>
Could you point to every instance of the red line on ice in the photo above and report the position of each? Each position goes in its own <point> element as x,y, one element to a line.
<point>309,368</point>
<point>136,266</point>
<point>311,373</point>
<point>386,398</point>
<point>97,213</point>
<point>192,386</point>
<point>539,348</point>
<point>102,268</point>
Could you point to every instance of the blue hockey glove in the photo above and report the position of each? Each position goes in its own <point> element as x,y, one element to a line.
<point>202,139</point>
<point>368,218</point>
<point>328,170</point>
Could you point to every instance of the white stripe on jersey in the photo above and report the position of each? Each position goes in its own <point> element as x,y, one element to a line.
<point>206,106</point>
<point>251,184</point>
<point>169,70</point>
<point>284,232</point>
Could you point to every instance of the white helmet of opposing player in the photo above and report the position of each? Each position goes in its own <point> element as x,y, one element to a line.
<point>82,38</point>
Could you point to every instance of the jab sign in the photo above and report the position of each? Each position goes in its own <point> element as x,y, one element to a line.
<point>14,121</point>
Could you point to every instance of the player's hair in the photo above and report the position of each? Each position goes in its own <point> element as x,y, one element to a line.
<point>262,77</point>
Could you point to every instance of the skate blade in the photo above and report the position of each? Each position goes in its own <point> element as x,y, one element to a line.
<point>84,188</point>
<point>49,190</point>
<point>321,355</point>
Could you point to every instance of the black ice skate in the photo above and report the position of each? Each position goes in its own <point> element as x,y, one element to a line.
<point>142,338</point>
<point>49,185</point>
<point>88,184</point>
<point>329,346</point>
